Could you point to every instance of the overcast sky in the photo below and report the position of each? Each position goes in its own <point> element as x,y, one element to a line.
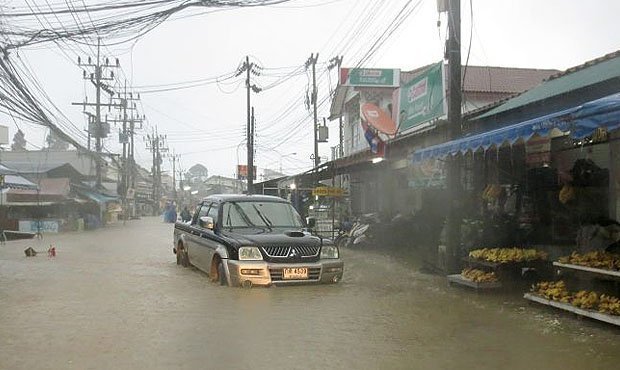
<point>206,124</point>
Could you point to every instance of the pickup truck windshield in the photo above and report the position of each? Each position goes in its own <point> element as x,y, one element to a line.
<point>260,214</point>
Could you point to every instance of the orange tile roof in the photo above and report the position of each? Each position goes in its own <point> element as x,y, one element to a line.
<point>494,79</point>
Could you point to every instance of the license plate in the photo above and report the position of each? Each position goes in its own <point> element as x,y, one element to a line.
<point>295,273</point>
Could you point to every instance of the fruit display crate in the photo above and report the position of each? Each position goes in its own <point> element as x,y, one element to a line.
<point>495,265</point>
<point>610,319</point>
<point>608,274</point>
<point>483,263</point>
<point>460,280</point>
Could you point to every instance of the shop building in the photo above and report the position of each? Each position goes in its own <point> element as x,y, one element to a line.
<point>539,166</point>
<point>393,185</point>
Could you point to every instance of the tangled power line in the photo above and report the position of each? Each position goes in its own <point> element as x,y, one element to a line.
<point>116,21</point>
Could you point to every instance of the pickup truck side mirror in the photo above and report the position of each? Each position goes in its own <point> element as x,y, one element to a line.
<point>311,221</point>
<point>206,222</point>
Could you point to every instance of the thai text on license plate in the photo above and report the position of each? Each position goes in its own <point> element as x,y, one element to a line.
<point>295,273</point>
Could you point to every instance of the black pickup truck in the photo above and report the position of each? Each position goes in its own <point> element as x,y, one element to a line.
<point>246,240</point>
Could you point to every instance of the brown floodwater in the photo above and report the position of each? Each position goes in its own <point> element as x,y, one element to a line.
<point>115,298</point>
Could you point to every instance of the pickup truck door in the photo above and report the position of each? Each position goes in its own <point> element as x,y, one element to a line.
<point>207,241</point>
<point>193,239</point>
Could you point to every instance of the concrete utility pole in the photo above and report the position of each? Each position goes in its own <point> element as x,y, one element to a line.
<point>127,102</point>
<point>175,158</point>
<point>135,119</point>
<point>454,131</point>
<point>156,143</point>
<point>249,68</point>
<point>251,152</point>
<point>312,62</point>
<point>337,62</point>
<point>98,129</point>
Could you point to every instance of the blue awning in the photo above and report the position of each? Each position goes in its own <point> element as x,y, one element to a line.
<point>578,122</point>
<point>97,197</point>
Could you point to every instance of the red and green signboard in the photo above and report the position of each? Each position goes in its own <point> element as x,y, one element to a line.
<point>371,77</point>
<point>422,99</point>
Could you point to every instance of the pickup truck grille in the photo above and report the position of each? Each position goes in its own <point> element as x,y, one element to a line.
<point>287,251</point>
<point>277,275</point>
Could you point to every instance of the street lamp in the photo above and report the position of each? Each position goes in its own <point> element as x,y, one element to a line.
<point>285,155</point>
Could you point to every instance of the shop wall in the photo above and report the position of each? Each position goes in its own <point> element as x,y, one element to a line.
<point>614,175</point>
<point>354,141</point>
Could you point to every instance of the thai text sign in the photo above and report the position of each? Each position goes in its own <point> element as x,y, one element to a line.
<point>326,191</point>
<point>370,77</point>
<point>422,99</point>
<point>42,226</point>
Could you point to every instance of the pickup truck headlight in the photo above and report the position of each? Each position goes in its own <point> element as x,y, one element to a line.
<point>329,251</point>
<point>250,254</point>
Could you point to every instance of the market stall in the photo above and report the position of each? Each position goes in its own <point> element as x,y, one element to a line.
<point>490,268</point>
<point>590,278</point>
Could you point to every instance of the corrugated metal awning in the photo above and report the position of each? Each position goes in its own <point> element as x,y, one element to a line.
<point>578,122</point>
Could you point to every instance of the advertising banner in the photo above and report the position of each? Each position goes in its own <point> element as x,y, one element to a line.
<point>369,77</point>
<point>422,99</point>
<point>242,172</point>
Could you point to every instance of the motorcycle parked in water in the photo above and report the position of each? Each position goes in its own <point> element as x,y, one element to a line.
<point>360,232</point>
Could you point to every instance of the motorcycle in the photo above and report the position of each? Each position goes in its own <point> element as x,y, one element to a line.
<point>358,234</point>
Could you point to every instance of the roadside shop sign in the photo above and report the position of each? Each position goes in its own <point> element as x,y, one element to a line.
<point>422,99</point>
<point>242,172</point>
<point>44,226</point>
<point>327,191</point>
<point>373,77</point>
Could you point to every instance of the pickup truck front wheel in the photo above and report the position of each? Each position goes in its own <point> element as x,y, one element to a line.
<point>221,273</point>
<point>182,256</point>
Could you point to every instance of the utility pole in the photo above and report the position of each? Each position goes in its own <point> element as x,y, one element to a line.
<point>156,143</point>
<point>175,158</point>
<point>97,128</point>
<point>454,131</point>
<point>251,153</point>
<point>98,111</point>
<point>127,103</point>
<point>337,62</point>
<point>249,68</point>
<point>312,62</point>
<point>133,172</point>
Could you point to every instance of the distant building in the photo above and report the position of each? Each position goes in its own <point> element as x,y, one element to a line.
<point>196,174</point>
<point>222,185</point>
<point>269,174</point>
<point>32,161</point>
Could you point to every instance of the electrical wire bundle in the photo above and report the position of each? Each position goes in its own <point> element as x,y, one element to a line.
<point>119,20</point>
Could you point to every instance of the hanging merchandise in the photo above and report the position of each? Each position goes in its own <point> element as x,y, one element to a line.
<point>492,192</point>
<point>586,173</point>
<point>567,194</point>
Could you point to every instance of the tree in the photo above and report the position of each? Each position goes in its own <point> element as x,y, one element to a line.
<point>55,142</point>
<point>19,141</point>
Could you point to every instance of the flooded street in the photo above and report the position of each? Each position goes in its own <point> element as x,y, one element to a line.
<point>115,298</point>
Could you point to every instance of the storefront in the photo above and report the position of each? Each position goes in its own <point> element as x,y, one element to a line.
<point>538,181</point>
